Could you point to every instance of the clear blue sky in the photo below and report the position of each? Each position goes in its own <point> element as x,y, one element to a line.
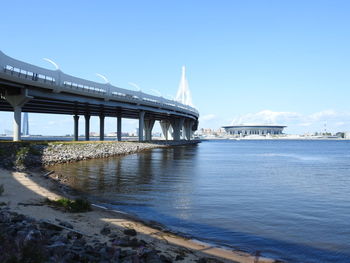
<point>270,61</point>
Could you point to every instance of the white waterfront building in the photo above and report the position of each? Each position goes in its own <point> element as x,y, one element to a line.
<point>264,129</point>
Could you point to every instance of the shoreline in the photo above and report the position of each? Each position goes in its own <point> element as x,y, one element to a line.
<point>36,188</point>
<point>36,185</point>
<point>30,154</point>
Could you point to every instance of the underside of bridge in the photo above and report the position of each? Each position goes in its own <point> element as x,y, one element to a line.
<point>19,98</point>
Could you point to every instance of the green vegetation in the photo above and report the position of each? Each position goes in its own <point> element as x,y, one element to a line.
<point>2,189</point>
<point>74,206</point>
<point>22,152</point>
<point>21,155</point>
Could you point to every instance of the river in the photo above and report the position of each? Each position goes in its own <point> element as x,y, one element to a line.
<point>287,199</point>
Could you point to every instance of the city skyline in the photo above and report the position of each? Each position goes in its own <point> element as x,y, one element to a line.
<point>282,63</point>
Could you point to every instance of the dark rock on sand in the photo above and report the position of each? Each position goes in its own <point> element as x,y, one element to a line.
<point>130,232</point>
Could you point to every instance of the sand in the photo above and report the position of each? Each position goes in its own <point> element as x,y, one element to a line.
<point>26,191</point>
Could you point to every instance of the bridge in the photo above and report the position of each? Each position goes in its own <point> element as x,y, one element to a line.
<point>28,88</point>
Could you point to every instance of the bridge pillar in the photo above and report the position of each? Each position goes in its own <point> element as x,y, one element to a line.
<point>17,101</point>
<point>76,127</point>
<point>177,127</point>
<point>164,124</point>
<point>188,124</point>
<point>102,127</point>
<point>141,125</point>
<point>17,123</point>
<point>119,128</point>
<point>87,127</point>
<point>148,129</point>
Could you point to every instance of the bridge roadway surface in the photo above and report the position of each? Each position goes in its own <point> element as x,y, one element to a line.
<point>28,88</point>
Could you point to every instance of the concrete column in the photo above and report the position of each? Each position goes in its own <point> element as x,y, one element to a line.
<point>164,124</point>
<point>76,127</point>
<point>177,126</point>
<point>141,125</point>
<point>148,129</point>
<point>188,124</point>
<point>17,101</point>
<point>119,128</point>
<point>102,127</point>
<point>87,127</point>
<point>17,123</point>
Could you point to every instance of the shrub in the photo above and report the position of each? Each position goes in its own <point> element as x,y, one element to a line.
<point>74,206</point>
<point>21,155</point>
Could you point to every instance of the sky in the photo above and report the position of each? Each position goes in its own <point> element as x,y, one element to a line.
<point>282,62</point>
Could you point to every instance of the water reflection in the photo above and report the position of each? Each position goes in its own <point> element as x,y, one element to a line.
<point>165,169</point>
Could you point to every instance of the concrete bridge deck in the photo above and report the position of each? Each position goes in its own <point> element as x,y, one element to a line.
<point>28,88</point>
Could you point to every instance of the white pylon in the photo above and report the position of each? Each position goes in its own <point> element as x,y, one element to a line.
<point>183,94</point>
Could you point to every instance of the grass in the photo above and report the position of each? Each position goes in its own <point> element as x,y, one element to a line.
<point>78,205</point>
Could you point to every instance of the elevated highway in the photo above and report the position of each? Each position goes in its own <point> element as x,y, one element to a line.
<point>28,88</point>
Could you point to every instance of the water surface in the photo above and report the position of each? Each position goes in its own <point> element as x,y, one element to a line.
<point>288,199</point>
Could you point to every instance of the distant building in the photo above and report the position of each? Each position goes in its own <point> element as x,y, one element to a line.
<point>205,131</point>
<point>8,132</point>
<point>25,125</point>
<point>347,135</point>
<point>242,130</point>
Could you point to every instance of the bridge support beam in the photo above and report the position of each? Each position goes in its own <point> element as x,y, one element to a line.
<point>87,127</point>
<point>102,127</point>
<point>76,127</point>
<point>165,125</point>
<point>188,124</point>
<point>141,125</point>
<point>177,127</point>
<point>17,101</point>
<point>148,129</point>
<point>119,128</point>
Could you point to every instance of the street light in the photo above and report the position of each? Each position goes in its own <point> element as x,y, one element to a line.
<point>52,63</point>
<point>103,77</point>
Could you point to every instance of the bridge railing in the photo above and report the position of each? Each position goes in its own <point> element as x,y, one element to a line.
<point>21,73</point>
<point>83,85</point>
<point>25,70</point>
<point>59,79</point>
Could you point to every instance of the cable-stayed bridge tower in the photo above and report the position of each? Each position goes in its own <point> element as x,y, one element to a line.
<point>181,128</point>
<point>183,94</point>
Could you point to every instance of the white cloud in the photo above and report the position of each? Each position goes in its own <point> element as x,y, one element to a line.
<point>340,123</point>
<point>207,117</point>
<point>267,117</point>
<point>323,115</point>
<point>305,124</point>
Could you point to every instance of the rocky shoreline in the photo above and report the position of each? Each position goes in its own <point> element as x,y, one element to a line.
<point>23,155</point>
<point>24,239</point>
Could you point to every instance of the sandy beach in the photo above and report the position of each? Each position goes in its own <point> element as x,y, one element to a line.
<point>25,193</point>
